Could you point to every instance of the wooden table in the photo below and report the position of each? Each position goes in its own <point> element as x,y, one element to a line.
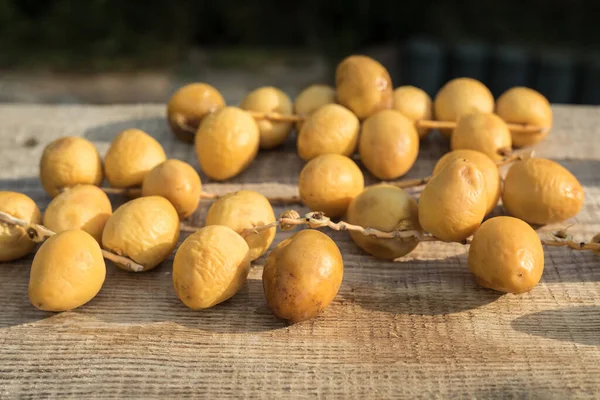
<point>418,327</point>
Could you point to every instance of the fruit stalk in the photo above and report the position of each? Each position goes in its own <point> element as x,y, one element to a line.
<point>514,128</point>
<point>276,117</point>
<point>39,233</point>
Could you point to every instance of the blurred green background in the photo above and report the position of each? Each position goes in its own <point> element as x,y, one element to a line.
<point>551,45</point>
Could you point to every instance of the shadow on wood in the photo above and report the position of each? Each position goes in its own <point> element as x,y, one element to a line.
<point>579,324</point>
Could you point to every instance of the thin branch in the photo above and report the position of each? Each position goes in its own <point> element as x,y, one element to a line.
<point>39,233</point>
<point>514,128</point>
<point>276,117</point>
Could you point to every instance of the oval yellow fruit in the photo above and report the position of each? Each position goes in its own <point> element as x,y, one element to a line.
<point>84,207</point>
<point>415,104</point>
<point>454,202</point>
<point>67,271</point>
<point>541,191</point>
<point>145,230</point>
<point>245,209</point>
<point>386,208</point>
<point>311,99</point>
<point>227,142</point>
<point>14,241</point>
<point>210,266</point>
<point>506,255</point>
<point>70,161</point>
<point>484,132</point>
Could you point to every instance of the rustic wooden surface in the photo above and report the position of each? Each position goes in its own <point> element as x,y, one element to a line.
<point>417,327</point>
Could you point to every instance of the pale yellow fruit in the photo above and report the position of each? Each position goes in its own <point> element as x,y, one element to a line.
<point>488,168</point>
<point>270,99</point>
<point>210,266</point>
<point>460,97</point>
<point>189,105</point>
<point>363,85</point>
<point>131,155</point>
<point>311,99</point>
<point>84,207</point>
<point>329,182</point>
<point>541,191</point>
<point>227,142</point>
<point>245,209</point>
<point>67,271</point>
<point>388,145</point>
<point>302,275</point>
<point>145,230</point>
<point>178,182</point>
<point>484,132</point>
<point>521,105</point>
<point>386,208</point>
<point>330,129</point>
<point>69,161</point>
<point>14,241</point>
<point>506,254</point>
<point>454,202</point>
<point>415,104</point>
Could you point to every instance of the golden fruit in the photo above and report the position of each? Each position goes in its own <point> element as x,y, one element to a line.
<point>302,275</point>
<point>270,99</point>
<point>210,266</point>
<point>454,202</point>
<point>176,181</point>
<point>131,155</point>
<point>311,99</point>
<point>67,271</point>
<point>189,105</point>
<point>506,254</point>
<point>329,182</point>
<point>415,104</point>
<point>69,161</point>
<point>460,97</point>
<point>330,129</point>
<point>84,207</point>
<point>388,145</point>
<point>245,209</point>
<point>541,191</point>
<point>484,164</point>
<point>227,142</point>
<point>521,105</point>
<point>484,132</point>
<point>14,241</point>
<point>145,229</point>
<point>363,85</point>
<point>386,208</point>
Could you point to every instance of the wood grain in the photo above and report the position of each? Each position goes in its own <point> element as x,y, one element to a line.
<point>416,328</point>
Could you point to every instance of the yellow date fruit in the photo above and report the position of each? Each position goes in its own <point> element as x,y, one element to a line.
<point>84,207</point>
<point>460,97</point>
<point>454,202</point>
<point>488,168</point>
<point>388,145</point>
<point>131,155</point>
<point>311,99</point>
<point>521,105</point>
<point>270,99</point>
<point>145,230</point>
<point>329,182</point>
<point>210,266</point>
<point>506,255</point>
<point>189,105</point>
<point>245,209</point>
<point>302,275</point>
<point>330,129</point>
<point>541,191</point>
<point>415,104</point>
<point>363,85</point>
<point>227,142</point>
<point>67,271</point>
<point>69,161</point>
<point>386,208</point>
<point>176,181</point>
<point>484,132</point>
<point>14,241</point>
